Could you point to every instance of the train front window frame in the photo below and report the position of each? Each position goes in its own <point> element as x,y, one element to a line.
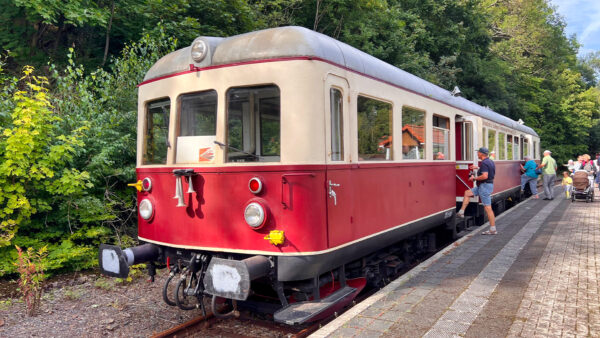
<point>253,124</point>
<point>156,131</point>
<point>196,126</point>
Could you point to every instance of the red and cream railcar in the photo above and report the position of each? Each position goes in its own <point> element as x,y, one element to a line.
<point>286,157</point>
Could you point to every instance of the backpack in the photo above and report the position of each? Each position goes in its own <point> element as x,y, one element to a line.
<point>589,167</point>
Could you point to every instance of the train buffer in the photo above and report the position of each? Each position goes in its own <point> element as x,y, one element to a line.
<point>538,276</point>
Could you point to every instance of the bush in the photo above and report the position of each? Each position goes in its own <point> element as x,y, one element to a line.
<point>66,156</point>
<point>31,276</point>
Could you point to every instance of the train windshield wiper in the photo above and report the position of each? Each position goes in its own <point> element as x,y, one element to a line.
<point>236,149</point>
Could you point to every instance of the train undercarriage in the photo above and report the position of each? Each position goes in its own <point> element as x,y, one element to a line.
<point>208,280</point>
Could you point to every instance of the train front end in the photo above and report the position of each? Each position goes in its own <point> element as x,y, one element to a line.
<point>225,190</point>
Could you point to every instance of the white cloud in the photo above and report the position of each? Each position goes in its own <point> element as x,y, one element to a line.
<point>583,19</point>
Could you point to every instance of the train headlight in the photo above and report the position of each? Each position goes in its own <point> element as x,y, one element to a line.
<point>199,49</point>
<point>255,185</point>
<point>146,209</point>
<point>255,215</point>
<point>147,184</point>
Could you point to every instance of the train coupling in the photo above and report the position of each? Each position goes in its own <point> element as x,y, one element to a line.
<point>229,278</point>
<point>115,262</point>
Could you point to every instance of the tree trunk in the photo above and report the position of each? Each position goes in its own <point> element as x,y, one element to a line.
<point>112,12</point>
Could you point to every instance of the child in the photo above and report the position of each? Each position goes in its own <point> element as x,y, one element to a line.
<point>567,183</point>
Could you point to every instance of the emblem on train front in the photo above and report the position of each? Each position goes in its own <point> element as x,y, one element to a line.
<point>206,154</point>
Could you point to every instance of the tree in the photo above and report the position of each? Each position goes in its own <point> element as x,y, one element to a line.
<point>34,157</point>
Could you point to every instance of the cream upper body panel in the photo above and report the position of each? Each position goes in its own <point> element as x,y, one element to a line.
<point>302,129</point>
<point>299,63</point>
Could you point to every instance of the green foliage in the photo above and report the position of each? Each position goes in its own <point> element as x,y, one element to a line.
<point>34,158</point>
<point>135,272</point>
<point>31,276</point>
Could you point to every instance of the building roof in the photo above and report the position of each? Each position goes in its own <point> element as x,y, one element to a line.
<point>292,41</point>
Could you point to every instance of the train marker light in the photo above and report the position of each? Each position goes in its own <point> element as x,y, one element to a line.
<point>255,215</point>
<point>199,49</point>
<point>147,184</point>
<point>137,185</point>
<point>146,209</point>
<point>275,237</point>
<point>255,185</point>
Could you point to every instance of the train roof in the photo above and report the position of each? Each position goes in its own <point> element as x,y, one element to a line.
<point>293,41</point>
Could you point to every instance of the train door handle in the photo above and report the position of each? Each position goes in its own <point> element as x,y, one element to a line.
<point>332,193</point>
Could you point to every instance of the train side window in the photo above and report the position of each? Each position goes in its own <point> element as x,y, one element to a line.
<point>501,146</point>
<point>484,138</point>
<point>337,124</point>
<point>374,130</point>
<point>441,138</point>
<point>467,141</point>
<point>525,148</point>
<point>413,134</point>
<point>509,147</point>
<point>253,124</point>
<point>197,127</point>
<point>535,150</point>
<point>492,143</point>
<point>156,132</point>
<point>516,148</point>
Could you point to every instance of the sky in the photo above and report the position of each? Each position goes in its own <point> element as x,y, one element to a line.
<point>583,20</point>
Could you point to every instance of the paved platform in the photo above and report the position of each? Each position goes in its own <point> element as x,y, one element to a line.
<point>538,277</point>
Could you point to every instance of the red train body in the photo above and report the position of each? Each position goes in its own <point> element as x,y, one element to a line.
<point>308,186</point>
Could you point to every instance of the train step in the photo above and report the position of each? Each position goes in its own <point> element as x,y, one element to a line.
<point>464,225</point>
<point>302,312</point>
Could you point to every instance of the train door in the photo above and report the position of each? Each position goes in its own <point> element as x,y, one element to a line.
<point>466,145</point>
<point>338,184</point>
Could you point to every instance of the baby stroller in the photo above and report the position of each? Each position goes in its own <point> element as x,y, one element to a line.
<point>582,187</point>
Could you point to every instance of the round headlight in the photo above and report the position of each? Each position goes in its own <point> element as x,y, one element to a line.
<point>147,184</point>
<point>199,49</point>
<point>254,215</point>
<point>146,209</point>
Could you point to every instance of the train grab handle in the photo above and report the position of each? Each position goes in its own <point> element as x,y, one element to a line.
<point>285,181</point>
<point>463,182</point>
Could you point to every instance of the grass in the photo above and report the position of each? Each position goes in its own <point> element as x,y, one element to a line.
<point>104,284</point>
<point>71,294</point>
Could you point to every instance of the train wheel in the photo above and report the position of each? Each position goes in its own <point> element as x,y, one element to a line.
<point>169,291</point>
<point>182,299</point>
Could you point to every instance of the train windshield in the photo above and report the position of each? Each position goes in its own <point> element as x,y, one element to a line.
<point>253,124</point>
<point>156,141</point>
<point>197,127</point>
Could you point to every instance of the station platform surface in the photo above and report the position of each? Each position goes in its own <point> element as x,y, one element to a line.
<point>539,276</point>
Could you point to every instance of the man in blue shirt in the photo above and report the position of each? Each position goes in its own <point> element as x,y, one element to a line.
<point>484,190</point>
<point>529,177</point>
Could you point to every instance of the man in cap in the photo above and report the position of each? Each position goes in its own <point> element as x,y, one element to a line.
<point>549,167</point>
<point>484,189</point>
